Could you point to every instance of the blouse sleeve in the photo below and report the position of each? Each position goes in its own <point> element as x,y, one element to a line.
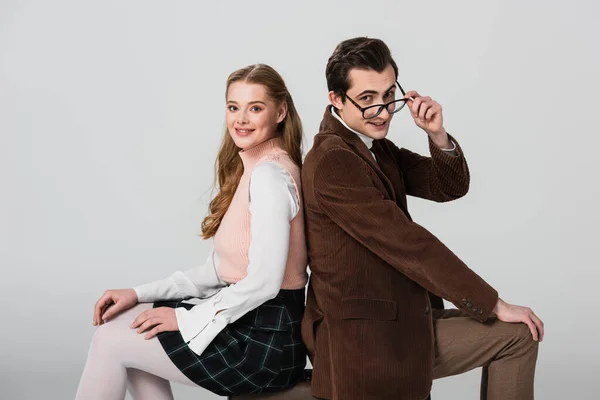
<point>273,204</point>
<point>201,281</point>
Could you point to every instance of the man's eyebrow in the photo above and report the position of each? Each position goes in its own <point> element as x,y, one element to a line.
<point>370,91</point>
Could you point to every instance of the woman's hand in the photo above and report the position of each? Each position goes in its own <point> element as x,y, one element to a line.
<point>161,319</point>
<point>113,302</point>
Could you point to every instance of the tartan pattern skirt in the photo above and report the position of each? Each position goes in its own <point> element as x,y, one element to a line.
<point>261,352</point>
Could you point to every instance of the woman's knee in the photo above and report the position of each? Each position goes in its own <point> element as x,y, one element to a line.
<point>108,339</point>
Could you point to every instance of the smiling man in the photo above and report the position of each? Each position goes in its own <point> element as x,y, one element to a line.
<point>374,323</point>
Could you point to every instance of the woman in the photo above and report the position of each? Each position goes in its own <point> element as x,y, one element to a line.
<point>232,325</point>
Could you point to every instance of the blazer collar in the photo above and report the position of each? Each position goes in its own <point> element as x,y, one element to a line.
<point>331,124</point>
<point>368,141</point>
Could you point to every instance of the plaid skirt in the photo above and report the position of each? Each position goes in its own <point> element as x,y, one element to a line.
<point>261,352</point>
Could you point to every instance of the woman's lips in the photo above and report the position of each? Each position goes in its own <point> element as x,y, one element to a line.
<point>243,132</point>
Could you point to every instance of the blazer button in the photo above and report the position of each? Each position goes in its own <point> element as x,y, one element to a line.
<point>427,309</point>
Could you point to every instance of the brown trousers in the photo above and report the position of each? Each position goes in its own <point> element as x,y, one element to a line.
<point>506,352</point>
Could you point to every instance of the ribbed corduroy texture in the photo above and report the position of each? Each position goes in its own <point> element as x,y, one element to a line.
<point>232,240</point>
<point>367,324</point>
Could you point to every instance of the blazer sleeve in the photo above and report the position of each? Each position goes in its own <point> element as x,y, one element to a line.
<point>345,192</point>
<point>442,177</point>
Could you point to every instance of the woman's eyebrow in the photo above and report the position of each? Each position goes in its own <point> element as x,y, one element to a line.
<point>252,102</point>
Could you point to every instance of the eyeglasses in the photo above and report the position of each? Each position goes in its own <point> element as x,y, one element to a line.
<point>372,111</point>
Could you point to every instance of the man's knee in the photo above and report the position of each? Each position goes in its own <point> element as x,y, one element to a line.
<point>524,338</point>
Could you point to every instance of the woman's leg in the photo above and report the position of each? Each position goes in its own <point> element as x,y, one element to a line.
<point>143,385</point>
<point>119,356</point>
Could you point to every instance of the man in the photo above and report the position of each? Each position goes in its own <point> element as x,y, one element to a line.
<point>369,326</point>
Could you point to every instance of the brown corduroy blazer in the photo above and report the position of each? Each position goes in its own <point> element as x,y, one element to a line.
<point>367,324</point>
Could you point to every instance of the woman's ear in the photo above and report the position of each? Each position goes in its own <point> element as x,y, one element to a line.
<point>282,112</point>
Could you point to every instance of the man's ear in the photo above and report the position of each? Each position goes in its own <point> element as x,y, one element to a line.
<point>282,112</point>
<point>336,100</point>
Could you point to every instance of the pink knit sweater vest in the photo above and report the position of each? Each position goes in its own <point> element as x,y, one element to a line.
<point>232,239</point>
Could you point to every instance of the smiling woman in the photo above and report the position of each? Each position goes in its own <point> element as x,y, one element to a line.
<point>232,325</point>
<point>251,115</point>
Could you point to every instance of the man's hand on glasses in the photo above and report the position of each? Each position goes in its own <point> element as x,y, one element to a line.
<point>428,116</point>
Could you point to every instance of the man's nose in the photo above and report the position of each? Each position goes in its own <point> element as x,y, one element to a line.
<point>384,114</point>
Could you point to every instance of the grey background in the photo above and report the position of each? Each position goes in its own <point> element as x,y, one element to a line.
<point>111,114</point>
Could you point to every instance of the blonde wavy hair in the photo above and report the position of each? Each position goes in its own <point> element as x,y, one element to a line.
<point>228,165</point>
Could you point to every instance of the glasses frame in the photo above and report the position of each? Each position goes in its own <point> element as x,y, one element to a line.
<point>381,106</point>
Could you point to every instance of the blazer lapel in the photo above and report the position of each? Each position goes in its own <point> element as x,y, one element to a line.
<point>330,124</point>
<point>388,165</point>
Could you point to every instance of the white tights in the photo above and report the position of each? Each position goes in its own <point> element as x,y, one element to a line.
<point>120,358</point>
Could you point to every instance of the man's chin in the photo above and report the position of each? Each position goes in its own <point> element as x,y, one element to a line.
<point>376,132</point>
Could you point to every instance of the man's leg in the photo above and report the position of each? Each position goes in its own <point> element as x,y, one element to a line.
<point>506,352</point>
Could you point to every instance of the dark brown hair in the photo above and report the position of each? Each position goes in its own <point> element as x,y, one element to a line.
<point>360,53</point>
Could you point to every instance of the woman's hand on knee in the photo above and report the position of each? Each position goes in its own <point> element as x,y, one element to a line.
<point>112,302</point>
<point>161,319</point>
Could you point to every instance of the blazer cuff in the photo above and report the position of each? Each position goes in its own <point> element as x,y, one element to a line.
<point>451,151</point>
<point>480,305</point>
<point>438,152</point>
